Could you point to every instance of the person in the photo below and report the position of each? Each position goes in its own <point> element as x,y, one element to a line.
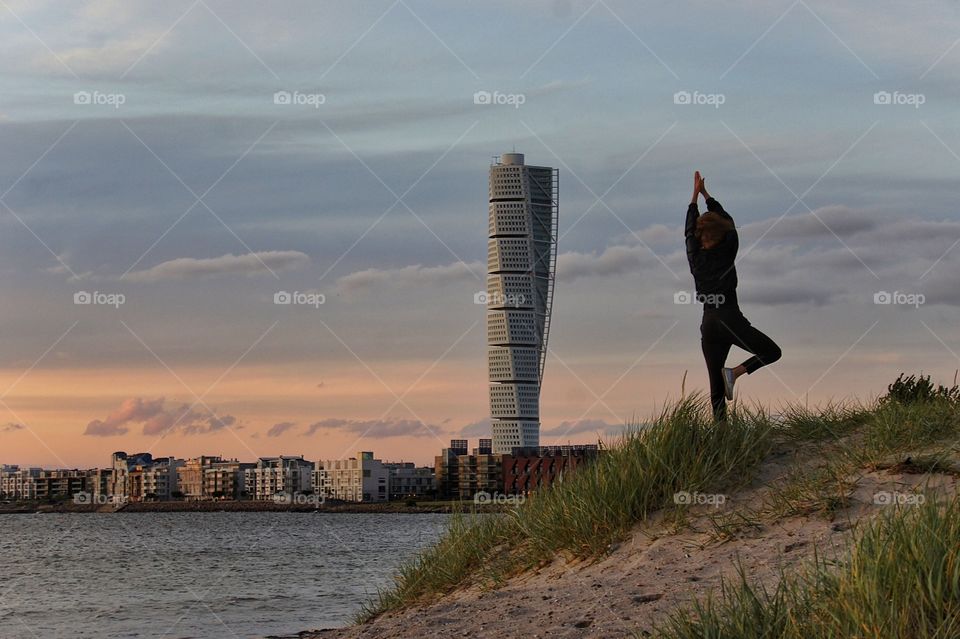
<point>712,243</point>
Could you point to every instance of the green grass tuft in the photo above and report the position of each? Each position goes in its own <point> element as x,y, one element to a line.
<point>683,449</point>
<point>902,580</point>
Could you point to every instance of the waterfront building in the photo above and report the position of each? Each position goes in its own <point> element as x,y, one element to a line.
<point>121,465</point>
<point>527,469</point>
<point>361,478</point>
<point>447,470</point>
<point>18,483</point>
<point>225,480</point>
<point>407,480</point>
<point>283,475</point>
<point>60,483</point>
<point>521,268</point>
<point>479,472</point>
<point>190,476</point>
<point>140,477</point>
<point>99,484</point>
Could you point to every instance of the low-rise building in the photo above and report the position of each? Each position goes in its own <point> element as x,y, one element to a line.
<point>479,472</point>
<point>283,475</point>
<point>160,479</point>
<point>60,484</point>
<point>190,476</point>
<point>225,480</point>
<point>526,469</point>
<point>100,484</point>
<point>361,478</point>
<point>122,464</point>
<point>18,483</point>
<point>140,477</point>
<point>406,480</point>
<point>446,469</point>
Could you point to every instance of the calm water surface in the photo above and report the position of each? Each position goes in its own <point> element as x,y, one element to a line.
<point>179,575</point>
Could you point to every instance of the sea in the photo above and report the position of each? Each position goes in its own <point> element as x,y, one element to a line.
<point>197,575</point>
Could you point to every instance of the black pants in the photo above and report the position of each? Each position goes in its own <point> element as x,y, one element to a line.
<point>725,327</point>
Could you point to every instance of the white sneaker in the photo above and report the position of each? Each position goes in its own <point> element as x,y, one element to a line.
<point>728,382</point>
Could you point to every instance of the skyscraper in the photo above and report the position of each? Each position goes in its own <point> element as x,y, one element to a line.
<point>521,263</point>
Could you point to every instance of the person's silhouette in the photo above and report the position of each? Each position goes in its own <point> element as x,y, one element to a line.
<point>712,244</point>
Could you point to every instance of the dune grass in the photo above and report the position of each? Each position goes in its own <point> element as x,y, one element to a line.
<point>681,450</point>
<point>901,580</point>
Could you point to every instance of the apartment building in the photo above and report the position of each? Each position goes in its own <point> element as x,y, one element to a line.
<point>100,484</point>
<point>140,477</point>
<point>447,470</point>
<point>479,472</point>
<point>272,476</point>
<point>526,469</point>
<point>226,480</point>
<point>58,484</point>
<point>37,483</point>
<point>406,480</point>
<point>361,478</point>
<point>18,483</point>
<point>190,476</point>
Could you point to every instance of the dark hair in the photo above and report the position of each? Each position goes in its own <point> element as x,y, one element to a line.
<point>712,227</point>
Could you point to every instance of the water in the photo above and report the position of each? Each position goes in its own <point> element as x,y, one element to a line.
<point>179,575</point>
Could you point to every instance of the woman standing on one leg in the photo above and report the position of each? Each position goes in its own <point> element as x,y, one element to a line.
<point>712,244</point>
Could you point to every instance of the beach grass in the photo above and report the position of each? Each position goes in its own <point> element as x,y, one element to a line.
<point>901,579</point>
<point>682,450</point>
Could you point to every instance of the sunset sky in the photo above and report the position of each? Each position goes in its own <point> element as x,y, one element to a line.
<point>182,189</point>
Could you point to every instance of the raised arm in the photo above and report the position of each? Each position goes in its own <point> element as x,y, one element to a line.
<point>712,205</point>
<point>690,227</point>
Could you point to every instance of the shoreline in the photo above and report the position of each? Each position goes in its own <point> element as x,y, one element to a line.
<point>427,507</point>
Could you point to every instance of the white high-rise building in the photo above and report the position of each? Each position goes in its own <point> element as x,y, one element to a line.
<point>521,264</point>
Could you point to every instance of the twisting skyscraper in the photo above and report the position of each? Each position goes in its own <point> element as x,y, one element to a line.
<point>521,263</point>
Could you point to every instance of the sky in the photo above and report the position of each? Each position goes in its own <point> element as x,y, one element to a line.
<point>168,169</point>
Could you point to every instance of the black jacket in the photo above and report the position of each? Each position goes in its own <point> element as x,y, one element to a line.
<point>714,270</point>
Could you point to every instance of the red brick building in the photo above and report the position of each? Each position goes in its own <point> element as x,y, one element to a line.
<point>526,469</point>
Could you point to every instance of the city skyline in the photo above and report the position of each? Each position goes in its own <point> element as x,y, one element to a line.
<point>179,166</point>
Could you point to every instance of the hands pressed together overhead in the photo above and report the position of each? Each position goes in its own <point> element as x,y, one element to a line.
<point>699,187</point>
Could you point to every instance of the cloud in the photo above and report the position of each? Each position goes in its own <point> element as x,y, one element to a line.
<point>248,264</point>
<point>376,427</point>
<point>480,428</point>
<point>779,295</point>
<point>801,259</point>
<point>279,429</point>
<point>614,260</point>
<point>155,419</point>
<point>829,220</point>
<point>567,428</point>
<point>415,274</point>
